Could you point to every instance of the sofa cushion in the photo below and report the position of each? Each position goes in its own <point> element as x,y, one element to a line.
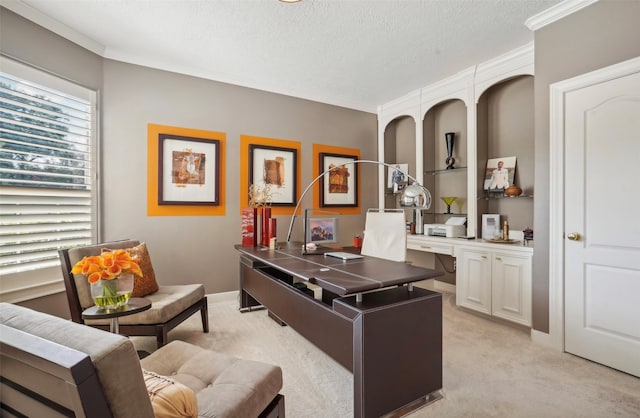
<point>225,386</point>
<point>113,356</point>
<point>169,398</point>
<point>166,303</point>
<point>145,285</point>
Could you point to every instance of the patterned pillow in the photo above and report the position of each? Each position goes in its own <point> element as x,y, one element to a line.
<point>145,285</point>
<point>170,399</point>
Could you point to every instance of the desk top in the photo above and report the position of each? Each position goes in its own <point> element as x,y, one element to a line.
<point>341,277</point>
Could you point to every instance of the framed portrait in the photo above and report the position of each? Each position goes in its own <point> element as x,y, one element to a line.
<point>340,184</point>
<point>499,174</point>
<point>188,170</point>
<point>276,167</point>
<point>322,230</point>
<point>397,177</point>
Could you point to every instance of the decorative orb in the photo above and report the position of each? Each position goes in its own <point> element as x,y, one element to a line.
<point>415,196</point>
<point>513,191</point>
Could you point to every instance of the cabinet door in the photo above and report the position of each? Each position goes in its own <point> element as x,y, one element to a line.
<point>511,292</point>
<point>473,280</point>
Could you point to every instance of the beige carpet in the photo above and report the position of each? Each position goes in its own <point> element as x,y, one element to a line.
<point>490,368</point>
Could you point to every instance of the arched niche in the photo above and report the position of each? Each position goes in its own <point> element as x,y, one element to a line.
<point>399,148</point>
<point>446,116</point>
<point>505,128</point>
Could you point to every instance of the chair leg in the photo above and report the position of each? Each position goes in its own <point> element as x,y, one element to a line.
<point>162,336</point>
<point>204,313</point>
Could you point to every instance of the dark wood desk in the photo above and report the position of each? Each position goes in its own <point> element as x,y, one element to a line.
<point>371,320</point>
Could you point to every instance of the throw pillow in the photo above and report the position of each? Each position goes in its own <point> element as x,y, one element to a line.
<point>145,285</point>
<point>170,399</point>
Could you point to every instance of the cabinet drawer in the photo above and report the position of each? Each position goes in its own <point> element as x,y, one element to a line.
<point>430,247</point>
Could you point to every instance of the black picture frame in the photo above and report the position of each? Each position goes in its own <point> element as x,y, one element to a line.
<point>339,187</point>
<point>188,170</point>
<point>277,167</point>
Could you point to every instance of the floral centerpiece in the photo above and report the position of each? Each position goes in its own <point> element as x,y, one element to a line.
<point>110,275</point>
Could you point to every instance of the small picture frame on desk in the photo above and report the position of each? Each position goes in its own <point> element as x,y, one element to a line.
<point>322,230</point>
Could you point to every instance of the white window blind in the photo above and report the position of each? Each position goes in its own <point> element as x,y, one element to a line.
<point>47,170</point>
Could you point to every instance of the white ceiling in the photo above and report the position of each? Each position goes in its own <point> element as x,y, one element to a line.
<point>353,53</point>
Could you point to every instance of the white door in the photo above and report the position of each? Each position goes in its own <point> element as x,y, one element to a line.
<point>602,223</point>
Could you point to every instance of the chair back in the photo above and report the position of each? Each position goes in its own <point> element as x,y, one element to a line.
<point>76,285</point>
<point>385,234</point>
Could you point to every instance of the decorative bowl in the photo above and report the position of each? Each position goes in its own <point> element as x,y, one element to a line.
<point>513,191</point>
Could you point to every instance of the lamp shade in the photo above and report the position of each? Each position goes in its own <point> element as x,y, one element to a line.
<point>415,196</point>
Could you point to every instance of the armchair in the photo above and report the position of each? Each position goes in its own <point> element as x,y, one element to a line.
<point>170,304</point>
<point>52,367</point>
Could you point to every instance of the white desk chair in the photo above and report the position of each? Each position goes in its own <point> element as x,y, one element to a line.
<point>385,234</point>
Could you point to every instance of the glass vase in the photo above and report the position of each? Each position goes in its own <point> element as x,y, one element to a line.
<point>112,293</point>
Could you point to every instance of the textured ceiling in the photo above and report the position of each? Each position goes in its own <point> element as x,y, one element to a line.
<point>352,53</point>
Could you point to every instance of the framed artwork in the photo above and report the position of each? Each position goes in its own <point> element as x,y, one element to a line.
<point>277,168</point>
<point>188,170</point>
<point>490,225</point>
<point>340,185</point>
<point>499,174</point>
<point>397,180</point>
<point>322,230</point>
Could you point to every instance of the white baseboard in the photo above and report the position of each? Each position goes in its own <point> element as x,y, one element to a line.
<point>223,296</point>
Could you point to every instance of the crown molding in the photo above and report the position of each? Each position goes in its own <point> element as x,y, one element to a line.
<point>556,12</point>
<point>53,25</point>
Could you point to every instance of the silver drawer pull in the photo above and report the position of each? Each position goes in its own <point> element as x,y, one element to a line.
<point>425,246</point>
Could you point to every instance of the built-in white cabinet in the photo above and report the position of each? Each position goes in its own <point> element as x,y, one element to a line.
<point>489,108</point>
<point>494,279</point>
<point>473,280</point>
<point>495,282</point>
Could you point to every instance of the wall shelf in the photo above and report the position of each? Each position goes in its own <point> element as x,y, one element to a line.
<point>445,171</point>
<point>502,196</point>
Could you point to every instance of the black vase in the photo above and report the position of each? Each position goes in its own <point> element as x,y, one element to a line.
<point>449,138</point>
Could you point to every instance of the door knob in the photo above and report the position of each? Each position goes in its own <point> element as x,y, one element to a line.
<point>573,236</point>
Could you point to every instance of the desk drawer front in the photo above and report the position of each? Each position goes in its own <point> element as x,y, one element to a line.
<point>430,247</point>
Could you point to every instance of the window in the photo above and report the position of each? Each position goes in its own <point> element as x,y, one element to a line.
<point>47,177</point>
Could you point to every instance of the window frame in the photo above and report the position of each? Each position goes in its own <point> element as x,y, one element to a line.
<point>40,282</point>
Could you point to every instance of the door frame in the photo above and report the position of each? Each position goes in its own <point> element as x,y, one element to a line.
<point>558,91</point>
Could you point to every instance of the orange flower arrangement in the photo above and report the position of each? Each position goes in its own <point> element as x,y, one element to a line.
<point>107,266</point>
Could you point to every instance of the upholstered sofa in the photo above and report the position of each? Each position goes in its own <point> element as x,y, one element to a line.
<point>55,367</point>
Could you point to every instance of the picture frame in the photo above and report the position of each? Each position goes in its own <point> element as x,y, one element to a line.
<point>188,170</point>
<point>322,230</point>
<point>277,167</point>
<point>397,177</point>
<point>499,174</point>
<point>490,225</point>
<point>339,187</point>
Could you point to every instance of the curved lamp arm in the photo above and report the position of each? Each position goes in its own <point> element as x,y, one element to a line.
<point>426,204</point>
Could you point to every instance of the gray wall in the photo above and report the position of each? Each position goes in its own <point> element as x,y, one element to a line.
<point>605,33</point>
<point>187,249</point>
